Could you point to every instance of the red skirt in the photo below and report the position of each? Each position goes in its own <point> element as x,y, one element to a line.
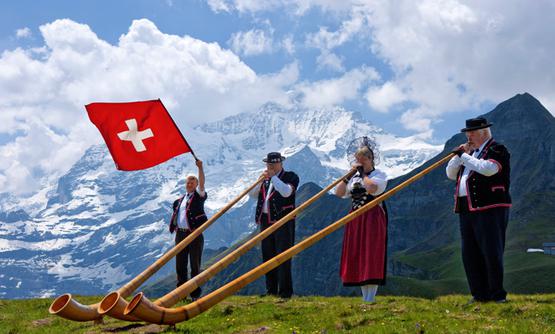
<point>363,258</point>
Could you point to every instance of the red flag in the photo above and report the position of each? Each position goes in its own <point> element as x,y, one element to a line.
<point>139,135</point>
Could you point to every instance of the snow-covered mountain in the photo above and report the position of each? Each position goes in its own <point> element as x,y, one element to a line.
<point>95,227</point>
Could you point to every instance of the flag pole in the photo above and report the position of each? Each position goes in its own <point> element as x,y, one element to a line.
<point>178,130</point>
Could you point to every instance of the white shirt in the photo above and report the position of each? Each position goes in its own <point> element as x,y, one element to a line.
<point>471,163</point>
<point>377,176</point>
<point>182,221</point>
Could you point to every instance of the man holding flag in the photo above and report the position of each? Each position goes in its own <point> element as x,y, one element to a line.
<point>188,214</point>
<point>140,135</point>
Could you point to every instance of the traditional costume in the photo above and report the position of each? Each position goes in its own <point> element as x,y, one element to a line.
<point>363,257</point>
<point>482,201</point>
<point>276,198</point>
<point>188,214</point>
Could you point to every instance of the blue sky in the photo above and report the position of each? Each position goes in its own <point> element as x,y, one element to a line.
<point>412,67</point>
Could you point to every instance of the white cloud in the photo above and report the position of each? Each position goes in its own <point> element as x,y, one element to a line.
<point>353,26</point>
<point>418,119</point>
<point>219,5</point>
<point>326,40</point>
<point>243,6</point>
<point>23,32</point>
<point>331,61</point>
<point>298,7</point>
<point>383,97</point>
<point>44,91</point>
<point>252,42</point>
<point>449,55</point>
<point>288,44</point>
<point>336,91</point>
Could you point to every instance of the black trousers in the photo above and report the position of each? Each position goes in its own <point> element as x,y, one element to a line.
<point>483,245</point>
<point>192,253</point>
<point>279,280</point>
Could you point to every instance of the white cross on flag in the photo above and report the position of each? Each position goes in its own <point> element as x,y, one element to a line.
<point>139,135</point>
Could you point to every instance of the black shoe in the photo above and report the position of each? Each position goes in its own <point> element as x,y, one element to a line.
<point>195,297</point>
<point>196,294</point>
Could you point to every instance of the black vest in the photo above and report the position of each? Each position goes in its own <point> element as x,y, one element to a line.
<point>278,206</point>
<point>194,211</point>
<point>486,192</point>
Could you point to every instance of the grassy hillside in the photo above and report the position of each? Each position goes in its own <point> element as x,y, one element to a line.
<point>447,314</point>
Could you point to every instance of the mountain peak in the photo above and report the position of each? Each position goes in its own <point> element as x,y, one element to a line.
<point>519,108</point>
<point>307,190</point>
<point>520,114</point>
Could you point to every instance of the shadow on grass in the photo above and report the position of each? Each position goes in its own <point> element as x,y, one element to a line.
<point>136,328</point>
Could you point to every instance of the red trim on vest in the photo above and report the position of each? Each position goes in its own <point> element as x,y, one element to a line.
<point>494,188</point>
<point>482,208</point>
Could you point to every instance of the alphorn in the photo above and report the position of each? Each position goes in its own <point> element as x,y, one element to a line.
<point>186,288</point>
<point>67,307</point>
<point>146,310</point>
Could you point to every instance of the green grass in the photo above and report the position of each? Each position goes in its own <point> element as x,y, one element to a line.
<point>241,314</point>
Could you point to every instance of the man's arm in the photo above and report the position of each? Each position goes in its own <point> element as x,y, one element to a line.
<point>484,167</point>
<point>284,189</point>
<point>453,167</point>
<point>201,178</point>
<point>456,162</point>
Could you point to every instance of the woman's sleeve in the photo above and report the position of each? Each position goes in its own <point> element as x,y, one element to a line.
<point>380,179</point>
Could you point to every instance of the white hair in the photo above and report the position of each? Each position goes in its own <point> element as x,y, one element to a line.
<point>485,132</point>
<point>191,176</point>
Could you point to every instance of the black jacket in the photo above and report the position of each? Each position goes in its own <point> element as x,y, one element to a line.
<point>486,192</point>
<point>194,208</point>
<point>278,205</point>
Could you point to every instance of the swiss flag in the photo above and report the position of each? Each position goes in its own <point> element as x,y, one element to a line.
<point>139,135</point>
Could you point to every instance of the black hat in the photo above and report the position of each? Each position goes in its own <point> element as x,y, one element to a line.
<point>476,123</point>
<point>273,157</point>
